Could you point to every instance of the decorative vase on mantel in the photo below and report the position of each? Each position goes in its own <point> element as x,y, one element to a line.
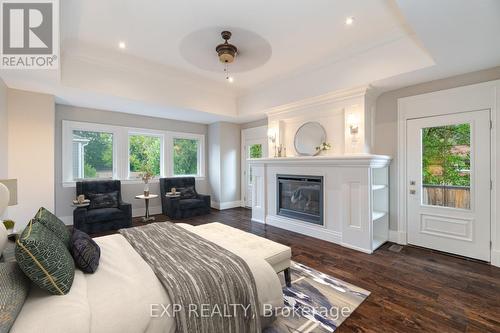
<point>325,146</point>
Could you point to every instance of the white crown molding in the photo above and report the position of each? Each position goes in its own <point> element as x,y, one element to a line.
<point>332,97</point>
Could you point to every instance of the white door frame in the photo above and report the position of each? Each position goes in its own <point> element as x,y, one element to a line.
<point>253,133</point>
<point>468,98</point>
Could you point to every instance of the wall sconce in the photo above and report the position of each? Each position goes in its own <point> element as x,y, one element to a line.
<point>353,123</point>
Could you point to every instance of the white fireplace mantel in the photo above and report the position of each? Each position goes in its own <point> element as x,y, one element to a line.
<point>366,160</point>
<point>355,197</point>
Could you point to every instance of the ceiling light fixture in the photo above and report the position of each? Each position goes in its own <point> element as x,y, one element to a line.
<point>227,53</point>
<point>349,20</point>
<point>122,45</point>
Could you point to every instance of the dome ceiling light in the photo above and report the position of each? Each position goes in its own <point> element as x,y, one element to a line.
<point>227,53</point>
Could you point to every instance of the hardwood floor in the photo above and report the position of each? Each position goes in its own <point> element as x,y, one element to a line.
<point>415,290</point>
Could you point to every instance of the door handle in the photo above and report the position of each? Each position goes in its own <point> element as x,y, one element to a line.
<point>412,189</point>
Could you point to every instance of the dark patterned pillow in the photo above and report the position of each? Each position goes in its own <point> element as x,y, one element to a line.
<point>103,200</point>
<point>85,251</point>
<point>44,259</point>
<point>188,192</point>
<point>52,222</point>
<point>13,292</point>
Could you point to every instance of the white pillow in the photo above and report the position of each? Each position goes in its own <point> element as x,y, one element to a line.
<point>3,237</point>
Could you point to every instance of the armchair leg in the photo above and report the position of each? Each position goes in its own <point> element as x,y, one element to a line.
<point>288,277</point>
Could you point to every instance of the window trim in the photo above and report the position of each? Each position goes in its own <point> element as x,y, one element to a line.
<point>121,150</point>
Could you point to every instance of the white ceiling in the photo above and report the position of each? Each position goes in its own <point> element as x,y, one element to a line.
<point>289,50</point>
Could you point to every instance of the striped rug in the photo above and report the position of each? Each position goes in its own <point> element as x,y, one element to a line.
<point>316,302</point>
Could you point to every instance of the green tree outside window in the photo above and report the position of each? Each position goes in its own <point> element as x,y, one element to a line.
<point>256,151</point>
<point>185,157</point>
<point>98,153</point>
<point>446,155</point>
<point>145,153</point>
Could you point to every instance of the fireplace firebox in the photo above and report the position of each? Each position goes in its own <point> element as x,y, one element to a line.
<point>300,197</point>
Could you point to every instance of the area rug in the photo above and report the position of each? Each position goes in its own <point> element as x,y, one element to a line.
<point>316,302</point>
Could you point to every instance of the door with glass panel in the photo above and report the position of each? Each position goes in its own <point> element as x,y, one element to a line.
<point>448,183</point>
<point>254,149</point>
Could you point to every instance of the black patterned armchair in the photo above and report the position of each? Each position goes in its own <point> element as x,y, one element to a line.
<point>106,212</point>
<point>188,204</point>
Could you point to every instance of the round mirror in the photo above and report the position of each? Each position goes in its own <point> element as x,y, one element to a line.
<point>309,136</point>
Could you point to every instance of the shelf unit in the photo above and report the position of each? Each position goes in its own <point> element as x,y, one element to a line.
<point>380,207</point>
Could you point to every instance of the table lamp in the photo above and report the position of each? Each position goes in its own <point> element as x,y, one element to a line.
<point>8,194</point>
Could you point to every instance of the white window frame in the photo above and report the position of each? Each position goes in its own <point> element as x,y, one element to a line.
<point>201,152</point>
<point>121,150</point>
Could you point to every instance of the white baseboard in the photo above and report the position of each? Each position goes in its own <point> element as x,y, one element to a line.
<point>258,221</point>
<point>354,247</point>
<point>136,212</point>
<point>305,228</point>
<point>226,205</point>
<point>495,258</point>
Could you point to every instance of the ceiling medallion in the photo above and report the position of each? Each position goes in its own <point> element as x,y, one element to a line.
<point>227,53</point>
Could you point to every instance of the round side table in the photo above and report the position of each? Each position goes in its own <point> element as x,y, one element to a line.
<point>146,199</point>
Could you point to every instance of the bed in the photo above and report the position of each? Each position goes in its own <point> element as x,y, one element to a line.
<point>119,296</point>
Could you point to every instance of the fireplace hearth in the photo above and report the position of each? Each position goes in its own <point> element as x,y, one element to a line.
<point>300,197</point>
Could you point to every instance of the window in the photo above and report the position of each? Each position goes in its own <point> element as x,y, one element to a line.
<point>255,150</point>
<point>186,153</point>
<point>92,155</point>
<point>145,155</point>
<point>98,151</point>
<point>446,166</point>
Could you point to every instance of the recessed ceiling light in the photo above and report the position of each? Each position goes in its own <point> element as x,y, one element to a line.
<point>122,45</point>
<point>230,79</point>
<point>349,20</point>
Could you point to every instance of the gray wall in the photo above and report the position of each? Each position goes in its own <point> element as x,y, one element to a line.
<point>386,116</point>
<point>256,123</point>
<point>230,162</point>
<point>224,141</point>
<point>214,171</point>
<point>4,134</point>
<point>64,195</point>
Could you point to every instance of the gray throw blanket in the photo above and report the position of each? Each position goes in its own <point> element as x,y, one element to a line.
<point>200,277</point>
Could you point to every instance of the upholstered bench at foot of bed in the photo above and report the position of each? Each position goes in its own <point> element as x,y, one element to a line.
<point>243,244</point>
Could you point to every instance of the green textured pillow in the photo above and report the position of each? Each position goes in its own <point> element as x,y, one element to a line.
<point>51,222</point>
<point>44,259</point>
<point>13,292</point>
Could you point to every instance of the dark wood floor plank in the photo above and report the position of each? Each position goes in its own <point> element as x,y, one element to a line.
<point>416,290</point>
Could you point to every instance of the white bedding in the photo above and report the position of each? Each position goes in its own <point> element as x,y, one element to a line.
<point>117,298</point>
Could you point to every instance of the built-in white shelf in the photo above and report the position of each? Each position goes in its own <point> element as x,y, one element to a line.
<point>380,206</point>
<point>377,242</point>
<point>378,215</point>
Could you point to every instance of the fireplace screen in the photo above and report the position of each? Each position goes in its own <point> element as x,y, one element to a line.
<point>300,197</point>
